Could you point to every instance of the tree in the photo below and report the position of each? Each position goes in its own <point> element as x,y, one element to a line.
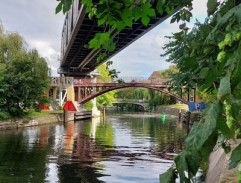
<point>168,73</point>
<point>23,75</point>
<point>207,57</point>
<point>106,98</point>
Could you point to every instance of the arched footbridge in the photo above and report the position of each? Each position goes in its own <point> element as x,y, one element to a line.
<point>86,92</point>
<point>140,103</point>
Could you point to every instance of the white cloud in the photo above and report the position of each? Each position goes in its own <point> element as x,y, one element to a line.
<point>46,50</point>
<point>36,21</point>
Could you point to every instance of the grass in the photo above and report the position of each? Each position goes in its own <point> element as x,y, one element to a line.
<point>34,114</point>
<point>177,106</point>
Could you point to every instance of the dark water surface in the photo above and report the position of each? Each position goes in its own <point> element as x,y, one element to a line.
<point>127,147</point>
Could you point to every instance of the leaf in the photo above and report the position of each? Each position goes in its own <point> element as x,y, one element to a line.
<point>203,73</point>
<point>159,6</point>
<point>67,4</point>
<point>235,157</point>
<point>119,25</point>
<point>147,10</point>
<point>101,57</point>
<point>200,133</point>
<point>182,26</point>
<point>101,21</point>
<point>181,164</point>
<point>137,13</point>
<point>126,17</point>
<point>222,126</point>
<point>168,177</point>
<point>170,9</point>
<point>89,3</point>
<point>212,6</point>
<point>145,20</point>
<point>193,157</point>
<point>224,88</point>
<point>173,19</point>
<point>58,8</point>
<point>208,146</point>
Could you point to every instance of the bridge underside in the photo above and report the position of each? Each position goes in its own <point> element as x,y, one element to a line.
<point>77,59</point>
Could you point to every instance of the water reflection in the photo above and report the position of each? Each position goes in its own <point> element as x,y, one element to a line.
<point>126,148</point>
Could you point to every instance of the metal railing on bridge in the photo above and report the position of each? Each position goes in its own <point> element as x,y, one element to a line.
<point>141,101</point>
<point>142,80</point>
<point>124,79</point>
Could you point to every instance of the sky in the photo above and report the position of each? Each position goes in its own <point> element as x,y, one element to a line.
<point>41,28</point>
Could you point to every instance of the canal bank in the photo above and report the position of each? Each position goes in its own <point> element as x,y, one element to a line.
<point>178,110</point>
<point>34,121</point>
<point>218,166</point>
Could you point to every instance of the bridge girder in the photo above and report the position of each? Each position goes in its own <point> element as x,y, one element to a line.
<point>76,59</point>
<point>115,86</point>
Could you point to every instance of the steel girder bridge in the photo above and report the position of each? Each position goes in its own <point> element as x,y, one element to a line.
<point>77,60</point>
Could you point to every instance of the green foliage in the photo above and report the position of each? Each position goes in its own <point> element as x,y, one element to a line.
<point>235,157</point>
<point>212,6</point>
<point>169,176</point>
<point>105,99</point>
<point>88,105</point>
<point>209,57</point>
<point>63,5</point>
<point>23,76</point>
<point>168,73</point>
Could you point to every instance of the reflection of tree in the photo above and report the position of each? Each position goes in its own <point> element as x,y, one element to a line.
<point>75,173</point>
<point>105,134</point>
<point>18,162</point>
<point>169,137</point>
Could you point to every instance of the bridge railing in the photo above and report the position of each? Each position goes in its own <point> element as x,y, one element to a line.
<point>70,22</point>
<point>132,100</point>
<point>125,79</point>
<point>143,80</point>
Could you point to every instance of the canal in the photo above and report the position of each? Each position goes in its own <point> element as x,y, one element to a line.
<point>126,147</point>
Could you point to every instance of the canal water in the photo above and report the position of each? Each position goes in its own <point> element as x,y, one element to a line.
<point>125,148</point>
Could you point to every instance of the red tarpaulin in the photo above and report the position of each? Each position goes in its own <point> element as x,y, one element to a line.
<point>69,106</point>
<point>43,107</point>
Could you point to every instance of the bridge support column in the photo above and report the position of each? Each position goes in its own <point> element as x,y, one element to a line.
<point>54,93</point>
<point>85,92</point>
<point>95,111</point>
<point>60,97</point>
<point>70,94</point>
<point>188,95</point>
<point>194,94</point>
<point>79,94</point>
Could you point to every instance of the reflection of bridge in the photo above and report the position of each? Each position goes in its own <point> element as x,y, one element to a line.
<point>76,58</point>
<point>85,91</point>
<point>143,104</point>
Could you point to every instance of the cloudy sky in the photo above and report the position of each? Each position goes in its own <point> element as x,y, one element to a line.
<point>36,21</point>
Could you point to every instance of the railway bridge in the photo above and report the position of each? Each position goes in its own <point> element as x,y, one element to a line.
<point>76,59</point>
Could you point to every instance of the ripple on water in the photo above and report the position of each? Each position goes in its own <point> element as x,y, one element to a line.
<point>124,148</point>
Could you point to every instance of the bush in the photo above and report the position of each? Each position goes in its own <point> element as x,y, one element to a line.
<point>88,105</point>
